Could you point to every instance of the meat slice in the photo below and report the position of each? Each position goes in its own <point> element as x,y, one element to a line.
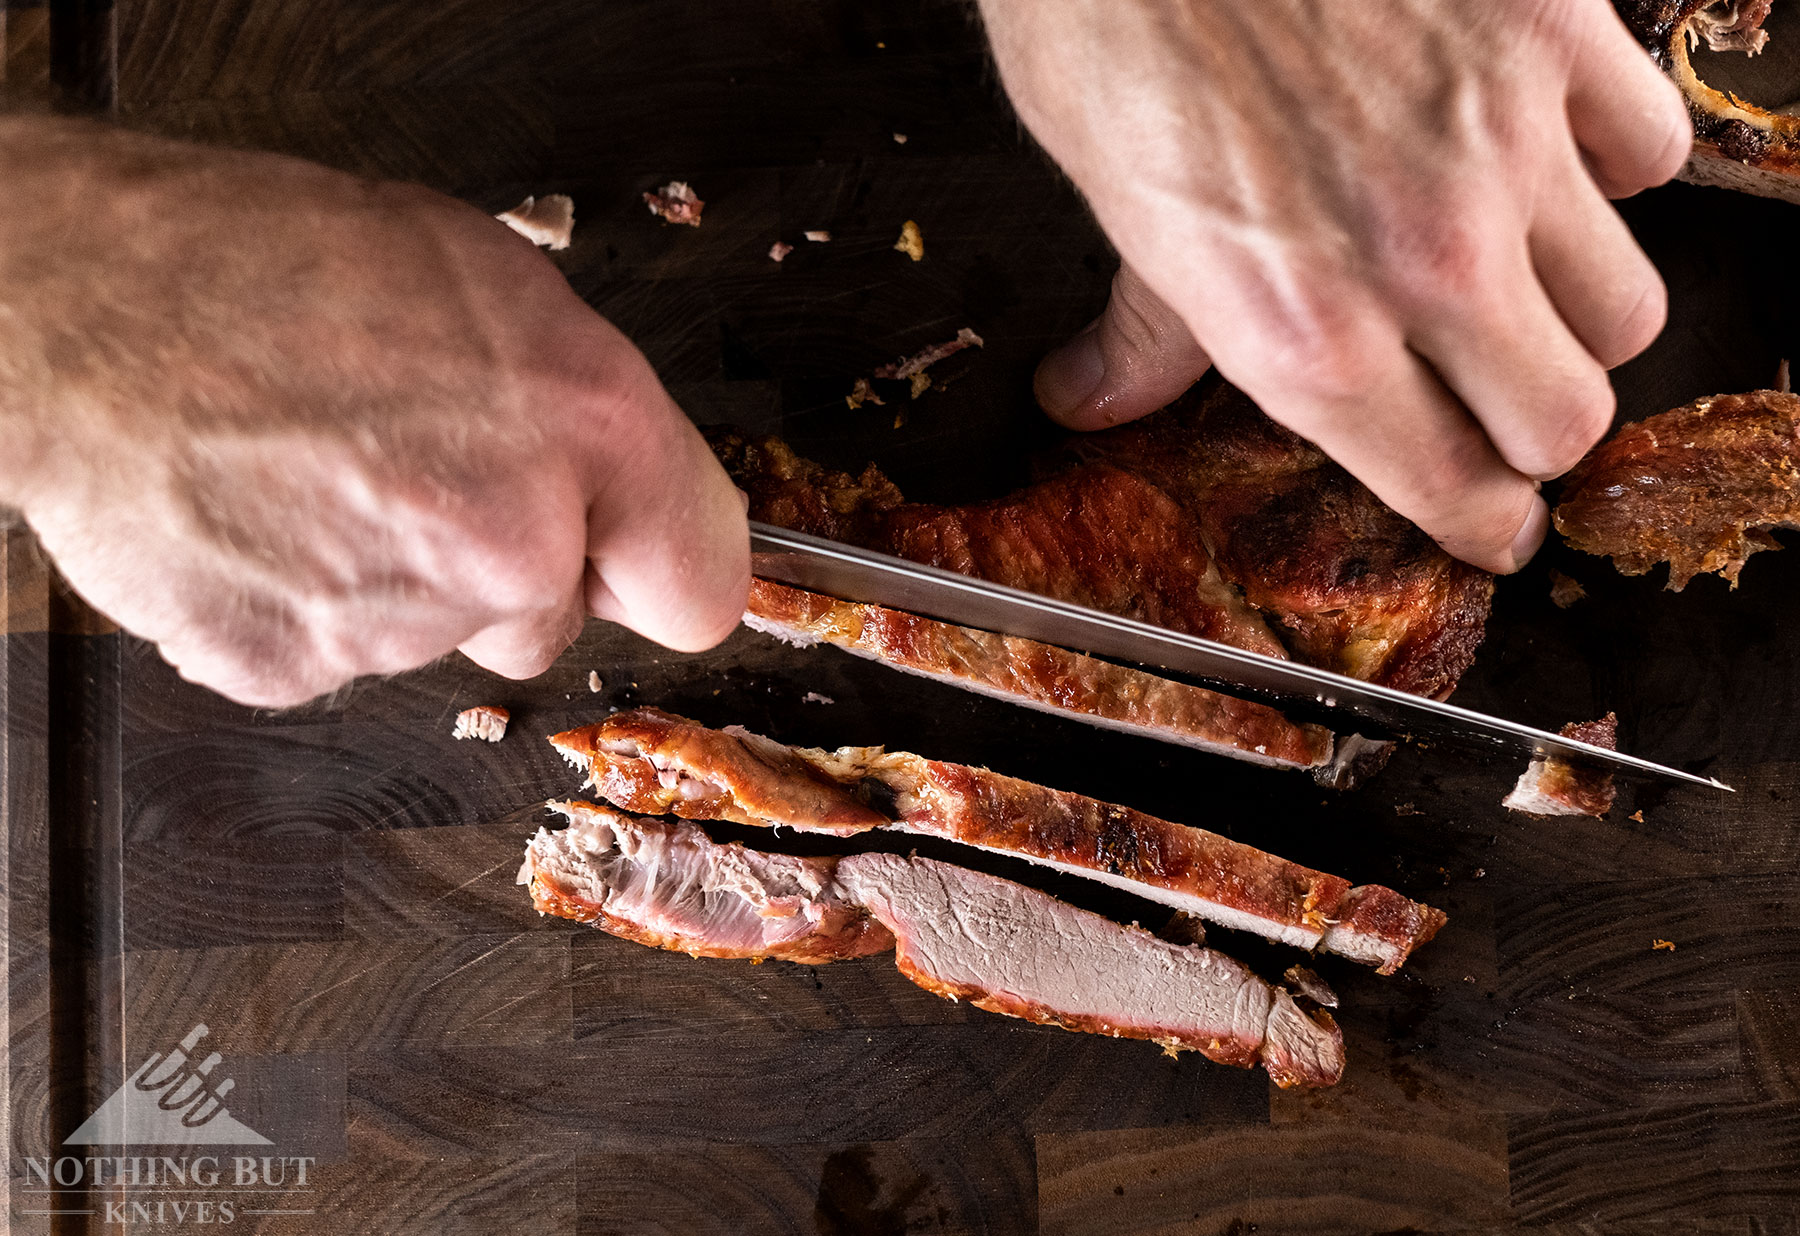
<point>1737,145</point>
<point>1699,487</point>
<point>1206,518</point>
<point>1040,676</point>
<point>654,762</point>
<point>1551,785</point>
<point>957,933</point>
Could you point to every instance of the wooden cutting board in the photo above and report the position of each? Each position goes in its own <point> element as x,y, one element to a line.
<point>330,891</point>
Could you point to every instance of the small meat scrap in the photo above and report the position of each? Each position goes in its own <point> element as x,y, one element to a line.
<point>1565,591</point>
<point>594,683</point>
<point>548,221</point>
<point>676,202</point>
<point>484,721</point>
<point>779,251</point>
<point>912,241</point>
<point>1555,786</point>
<point>924,359</point>
<point>1311,986</point>
<point>814,697</point>
<point>862,393</point>
<point>818,236</point>
<point>921,382</point>
<point>1700,487</point>
<point>899,139</point>
<point>1664,945</point>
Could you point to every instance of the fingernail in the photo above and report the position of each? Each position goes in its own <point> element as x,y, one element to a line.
<point>745,499</point>
<point>1068,377</point>
<point>1531,534</point>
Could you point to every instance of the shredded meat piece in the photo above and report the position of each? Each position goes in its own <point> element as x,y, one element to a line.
<point>1552,785</point>
<point>1730,25</point>
<point>818,236</point>
<point>548,221</point>
<point>925,358</point>
<point>778,251</point>
<point>676,202</point>
<point>860,393</point>
<point>655,762</point>
<point>484,721</point>
<point>956,933</point>
<point>1699,487</point>
<point>1310,985</point>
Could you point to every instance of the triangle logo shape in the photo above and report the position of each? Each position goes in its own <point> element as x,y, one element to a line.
<point>172,1099</point>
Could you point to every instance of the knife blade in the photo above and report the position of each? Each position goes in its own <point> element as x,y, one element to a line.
<point>853,574</point>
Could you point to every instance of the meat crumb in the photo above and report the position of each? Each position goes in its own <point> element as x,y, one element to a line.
<point>925,358</point>
<point>1311,986</point>
<point>676,202</point>
<point>1564,591</point>
<point>484,721</point>
<point>862,393</point>
<point>899,139</point>
<point>778,251</point>
<point>1406,809</point>
<point>1184,928</point>
<point>1666,945</point>
<point>921,382</point>
<point>594,683</point>
<point>1636,816</point>
<point>548,221</point>
<point>912,241</point>
<point>814,697</point>
<point>818,236</point>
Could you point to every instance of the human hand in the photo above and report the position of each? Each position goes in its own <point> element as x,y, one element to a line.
<point>294,426</point>
<point>1385,221</point>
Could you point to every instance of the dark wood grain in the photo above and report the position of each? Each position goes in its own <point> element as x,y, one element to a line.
<point>331,889</point>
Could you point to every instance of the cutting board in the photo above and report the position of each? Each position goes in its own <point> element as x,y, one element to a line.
<point>330,891</point>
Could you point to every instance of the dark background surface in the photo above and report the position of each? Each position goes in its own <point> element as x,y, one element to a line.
<point>331,890</point>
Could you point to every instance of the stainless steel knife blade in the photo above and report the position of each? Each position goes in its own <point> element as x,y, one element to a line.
<point>853,574</point>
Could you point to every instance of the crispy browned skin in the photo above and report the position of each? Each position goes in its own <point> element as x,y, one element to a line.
<point>632,755</point>
<point>1698,487</point>
<point>1040,675</point>
<point>1178,520</point>
<point>1736,143</point>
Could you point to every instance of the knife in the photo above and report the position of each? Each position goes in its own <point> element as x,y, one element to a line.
<point>860,575</point>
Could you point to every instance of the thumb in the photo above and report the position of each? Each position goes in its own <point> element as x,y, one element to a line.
<point>668,546</point>
<point>1130,361</point>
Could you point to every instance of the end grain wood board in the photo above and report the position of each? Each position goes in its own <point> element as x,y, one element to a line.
<point>331,890</point>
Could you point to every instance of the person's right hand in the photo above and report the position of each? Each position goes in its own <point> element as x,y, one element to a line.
<point>1383,219</point>
<point>294,426</point>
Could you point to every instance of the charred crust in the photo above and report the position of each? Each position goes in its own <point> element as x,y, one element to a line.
<point>1738,140</point>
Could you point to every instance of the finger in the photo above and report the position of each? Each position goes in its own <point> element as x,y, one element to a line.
<point>1134,358</point>
<point>1513,362</point>
<point>1408,439</point>
<point>526,646</point>
<point>245,678</point>
<point>1628,118</point>
<point>667,539</point>
<point>1600,281</point>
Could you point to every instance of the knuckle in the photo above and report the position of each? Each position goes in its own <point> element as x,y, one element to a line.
<point>1569,433</point>
<point>1637,327</point>
<point>1437,254</point>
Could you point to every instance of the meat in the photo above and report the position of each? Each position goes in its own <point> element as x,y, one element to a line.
<point>676,202</point>
<point>1699,487</point>
<point>957,933</point>
<point>1206,518</point>
<point>925,358</point>
<point>912,242</point>
<point>548,221</point>
<point>1040,676</point>
<point>654,762</point>
<point>484,721</point>
<point>1737,144</point>
<point>1551,785</point>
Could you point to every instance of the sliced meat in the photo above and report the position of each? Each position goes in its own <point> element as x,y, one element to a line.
<point>1206,518</point>
<point>958,933</point>
<point>484,721</point>
<point>548,221</point>
<point>1552,785</point>
<point>1040,676</point>
<point>667,885</point>
<point>1699,487</point>
<point>654,762</point>
<point>1737,144</point>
